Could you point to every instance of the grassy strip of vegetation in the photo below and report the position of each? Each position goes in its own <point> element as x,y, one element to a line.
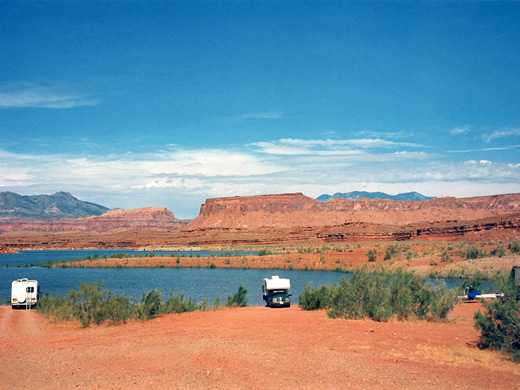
<point>122,255</point>
<point>381,295</point>
<point>500,324</point>
<point>93,304</point>
<point>463,273</point>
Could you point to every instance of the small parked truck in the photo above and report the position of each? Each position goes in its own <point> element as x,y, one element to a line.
<point>275,292</point>
<point>24,293</point>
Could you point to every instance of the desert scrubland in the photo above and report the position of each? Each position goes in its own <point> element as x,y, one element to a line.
<point>258,347</point>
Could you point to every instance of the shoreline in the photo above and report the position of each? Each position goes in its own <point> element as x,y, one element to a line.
<point>485,268</point>
<point>430,258</point>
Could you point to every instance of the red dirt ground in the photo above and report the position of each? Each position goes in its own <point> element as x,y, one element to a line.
<point>250,348</point>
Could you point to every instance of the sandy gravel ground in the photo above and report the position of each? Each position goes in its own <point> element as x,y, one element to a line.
<point>249,348</point>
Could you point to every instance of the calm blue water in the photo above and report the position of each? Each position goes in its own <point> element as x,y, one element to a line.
<point>196,283</point>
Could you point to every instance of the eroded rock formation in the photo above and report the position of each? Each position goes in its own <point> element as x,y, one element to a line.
<point>298,210</point>
<point>148,218</point>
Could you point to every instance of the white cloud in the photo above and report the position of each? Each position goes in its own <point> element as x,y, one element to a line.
<point>509,147</point>
<point>502,134</point>
<point>208,162</point>
<point>259,115</point>
<point>22,96</point>
<point>172,183</point>
<point>460,130</point>
<point>290,165</point>
<point>481,162</point>
<point>181,168</point>
<point>330,147</point>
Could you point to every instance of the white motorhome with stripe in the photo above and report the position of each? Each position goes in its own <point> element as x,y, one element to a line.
<point>24,293</point>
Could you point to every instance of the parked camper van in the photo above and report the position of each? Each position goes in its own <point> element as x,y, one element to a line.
<point>275,292</point>
<point>24,293</point>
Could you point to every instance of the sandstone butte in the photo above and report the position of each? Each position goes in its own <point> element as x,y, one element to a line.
<point>298,210</point>
<point>290,211</point>
<point>147,218</point>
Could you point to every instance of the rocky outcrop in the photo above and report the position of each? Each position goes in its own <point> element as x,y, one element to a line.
<point>491,228</point>
<point>148,218</point>
<point>298,210</point>
<point>283,210</point>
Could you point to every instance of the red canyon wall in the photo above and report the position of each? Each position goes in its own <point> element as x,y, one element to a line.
<point>293,210</point>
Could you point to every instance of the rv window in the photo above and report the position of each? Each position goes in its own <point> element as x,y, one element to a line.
<point>30,289</point>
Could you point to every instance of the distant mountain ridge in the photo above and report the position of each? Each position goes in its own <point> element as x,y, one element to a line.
<point>410,196</point>
<point>46,207</point>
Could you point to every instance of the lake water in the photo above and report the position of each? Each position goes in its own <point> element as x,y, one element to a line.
<point>196,283</point>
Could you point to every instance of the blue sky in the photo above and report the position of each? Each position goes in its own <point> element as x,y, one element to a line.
<point>168,103</point>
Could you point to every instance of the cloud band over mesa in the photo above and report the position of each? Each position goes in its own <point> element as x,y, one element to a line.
<point>215,171</point>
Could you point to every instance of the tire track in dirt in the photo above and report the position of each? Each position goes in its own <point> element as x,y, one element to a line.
<point>19,322</point>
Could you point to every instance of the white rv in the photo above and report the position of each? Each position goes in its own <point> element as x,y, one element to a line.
<point>275,291</point>
<point>24,293</point>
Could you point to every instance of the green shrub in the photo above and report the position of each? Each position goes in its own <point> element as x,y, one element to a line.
<point>363,295</point>
<point>151,303</point>
<point>500,325</point>
<point>372,255</point>
<point>499,251</point>
<point>179,304</point>
<point>93,304</point>
<point>443,301</point>
<point>445,258</point>
<point>472,253</point>
<point>217,304</point>
<point>87,303</point>
<point>314,299</point>
<point>56,308</point>
<point>380,296</point>
<point>239,299</point>
<point>118,309</point>
<point>514,246</point>
<point>390,251</point>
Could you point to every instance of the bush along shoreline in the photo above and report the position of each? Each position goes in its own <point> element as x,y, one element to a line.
<point>500,324</point>
<point>93,304</point>
<point>380,296</point>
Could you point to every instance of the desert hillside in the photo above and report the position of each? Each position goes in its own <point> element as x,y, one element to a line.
<point>298,210</point>
<point>147,218</point>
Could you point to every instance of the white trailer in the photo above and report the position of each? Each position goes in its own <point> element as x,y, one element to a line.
<point>24,293</point>
<point>275,291</point>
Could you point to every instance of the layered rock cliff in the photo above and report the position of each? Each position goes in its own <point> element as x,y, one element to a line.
<point>148,218</point>
<point>298,210</point>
